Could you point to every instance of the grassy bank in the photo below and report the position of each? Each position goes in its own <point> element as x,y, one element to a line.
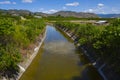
<point>100,42</point>
<point>17,38</point>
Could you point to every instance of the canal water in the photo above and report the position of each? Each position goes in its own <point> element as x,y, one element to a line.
<point>59,59</point>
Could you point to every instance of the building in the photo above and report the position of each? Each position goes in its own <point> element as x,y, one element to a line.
<point>101,22</point>
<point>38,16</point>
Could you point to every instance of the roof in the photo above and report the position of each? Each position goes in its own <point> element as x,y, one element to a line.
<point>101,22</point>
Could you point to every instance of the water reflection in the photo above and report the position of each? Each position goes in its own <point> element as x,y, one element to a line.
<point>60,60</point>
<point>59,47</point>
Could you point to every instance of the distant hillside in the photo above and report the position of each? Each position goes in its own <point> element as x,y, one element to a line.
<point>74,14</point>
<point>16,12</point>
<point>109,15</point>
<point>69,14</point>
<point>41,14</point>
<point>60,13</point>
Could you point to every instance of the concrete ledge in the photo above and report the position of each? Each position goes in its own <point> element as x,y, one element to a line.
<point>29,60</point>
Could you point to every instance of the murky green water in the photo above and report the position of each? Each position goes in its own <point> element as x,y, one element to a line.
<point>58,59</point>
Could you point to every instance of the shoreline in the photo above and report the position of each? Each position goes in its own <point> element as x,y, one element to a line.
<point>30,59</point>
<point>85,52</point>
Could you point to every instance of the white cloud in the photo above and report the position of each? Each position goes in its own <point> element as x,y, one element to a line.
<point>95,10</point>
<point>64,7</point>
<point>27,1</point>
<point>115,10</point>
<point>41,9</point>
<point>7,2</point>
<point>90,10</point>
<point>100,5</point>
<point>103,9</point>
<point>50,11</point>
<point>98,9</point>
<point>13,2</point>
<point>72,4</point>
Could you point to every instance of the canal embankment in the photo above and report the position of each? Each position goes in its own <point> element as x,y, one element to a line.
<point>25,64</point>
<point>97,63</point>
<point>59,59</point>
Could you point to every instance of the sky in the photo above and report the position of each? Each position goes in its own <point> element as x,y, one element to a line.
<point>52,6</point>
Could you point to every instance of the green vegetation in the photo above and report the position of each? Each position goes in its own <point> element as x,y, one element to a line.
<point>103,40</point>
<point>16,34</point>
<point>61,18</point>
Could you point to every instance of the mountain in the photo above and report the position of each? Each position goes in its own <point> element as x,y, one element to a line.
<point>41,14</point>
<point>74,14</point>
<point>109,15</point>
<point>69,14</point>
<point>15,12</point>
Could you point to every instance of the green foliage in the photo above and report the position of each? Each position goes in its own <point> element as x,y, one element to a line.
<point>82,41</point>
<point>110,41</point>
<point>10,56</point>
<point>107,44</point>
<point>105,41</point>
<point>62,18</point>
<point>16,34</point>
<point>115,22</point>
<point>86,32</point>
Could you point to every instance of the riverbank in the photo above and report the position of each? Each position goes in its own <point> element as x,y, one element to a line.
<point>95,62</point>
<point>25,64</point>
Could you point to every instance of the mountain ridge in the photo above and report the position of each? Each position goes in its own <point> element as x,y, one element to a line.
<point>71,14</point>
<point>109,15</point>
<point>21,12</point>
<point>15,12</point>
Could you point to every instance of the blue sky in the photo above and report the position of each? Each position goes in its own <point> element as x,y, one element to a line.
<point>51,6</point>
